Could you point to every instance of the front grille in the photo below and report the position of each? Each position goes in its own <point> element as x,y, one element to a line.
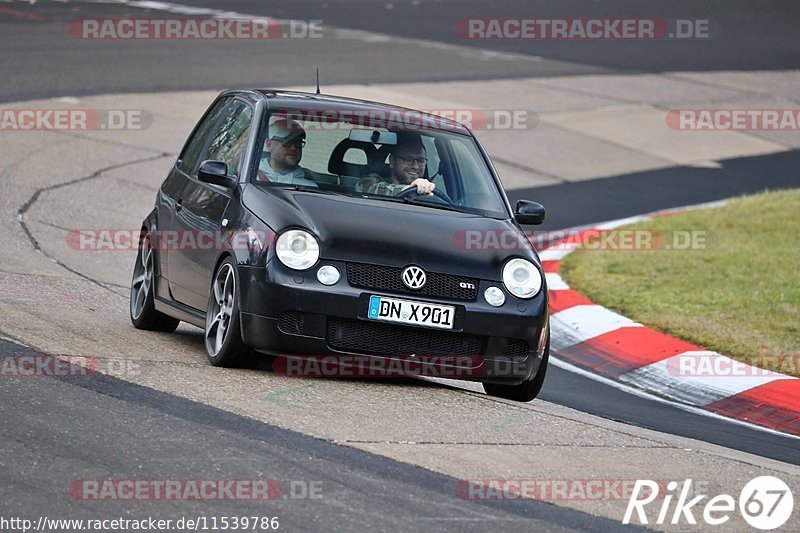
<point>385,278</point>
<point>291,322</point>
<point>384,339</point>
<point>516,347</point>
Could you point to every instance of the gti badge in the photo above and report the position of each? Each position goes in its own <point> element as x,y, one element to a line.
<point>414,277</point>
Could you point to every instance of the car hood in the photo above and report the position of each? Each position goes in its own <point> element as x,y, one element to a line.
<point>393,234</point>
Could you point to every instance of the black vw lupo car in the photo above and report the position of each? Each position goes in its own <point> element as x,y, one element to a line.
<point>324,259</point>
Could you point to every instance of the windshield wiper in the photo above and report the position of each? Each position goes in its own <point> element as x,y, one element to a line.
<point>308,188</point>
<point>304,188</point>
<point>446,207</point>
<point>381,197</point>
<point>407,200</point>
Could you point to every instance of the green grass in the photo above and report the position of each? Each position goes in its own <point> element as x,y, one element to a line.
<point>739,295</point>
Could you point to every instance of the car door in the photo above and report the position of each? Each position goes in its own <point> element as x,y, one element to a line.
<point>170,199</point>
<point>198,219</point>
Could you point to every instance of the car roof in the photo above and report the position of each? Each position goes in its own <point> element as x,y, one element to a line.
<point>283,99</point>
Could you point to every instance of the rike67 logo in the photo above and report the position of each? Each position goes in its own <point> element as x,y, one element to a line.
<point>765,503</point>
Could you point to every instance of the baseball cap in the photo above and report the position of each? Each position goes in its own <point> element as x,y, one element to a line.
<point>284,130</point>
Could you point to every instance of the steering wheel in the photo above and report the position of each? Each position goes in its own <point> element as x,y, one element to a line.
<point>412,191</point>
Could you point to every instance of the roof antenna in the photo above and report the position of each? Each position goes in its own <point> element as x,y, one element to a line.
<point>317,80</point>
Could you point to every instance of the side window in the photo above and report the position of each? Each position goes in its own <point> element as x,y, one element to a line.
<point>479,189</point>
<point>229,140</point>
<point>190,158</point>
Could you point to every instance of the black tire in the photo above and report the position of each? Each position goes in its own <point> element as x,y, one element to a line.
<point>222,335</point>
<point>142,306</point>
<point>527,390</point>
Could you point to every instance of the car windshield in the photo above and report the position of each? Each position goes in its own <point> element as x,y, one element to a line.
<point>377,161</point>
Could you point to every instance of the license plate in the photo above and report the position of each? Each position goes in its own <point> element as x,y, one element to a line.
<point>416,313</point>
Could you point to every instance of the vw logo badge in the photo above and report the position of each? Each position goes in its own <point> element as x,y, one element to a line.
<point>414,277</point>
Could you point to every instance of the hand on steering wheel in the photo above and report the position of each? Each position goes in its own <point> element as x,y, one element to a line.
<point>412,192</point>
<point>422,186</point>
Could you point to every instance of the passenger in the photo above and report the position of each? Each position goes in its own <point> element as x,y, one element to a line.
<point>283,152</point>
<point>407,165</point>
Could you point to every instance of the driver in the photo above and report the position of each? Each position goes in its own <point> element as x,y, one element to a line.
<point>282,154</point>
<point>407,165</point>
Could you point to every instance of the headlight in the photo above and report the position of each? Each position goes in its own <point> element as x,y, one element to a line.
<point>297,249</point>
<point>522,278</point>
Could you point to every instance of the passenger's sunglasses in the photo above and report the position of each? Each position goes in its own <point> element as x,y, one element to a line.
<point>298,143</point>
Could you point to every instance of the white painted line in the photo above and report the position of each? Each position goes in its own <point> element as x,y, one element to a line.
<point>614,224</point>
<point>554,282</point>
<point>554,254</point>
<point>646,216</point>
<point>583,322</point>
<point>705,205</point>
<point>181,9</point>
<point>699,377</point>
<point>555,361</point>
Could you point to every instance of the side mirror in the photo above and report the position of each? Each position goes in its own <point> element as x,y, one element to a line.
<point>216,173</point>
<point>528,212</point>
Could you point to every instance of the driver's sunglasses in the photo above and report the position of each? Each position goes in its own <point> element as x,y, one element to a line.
<point>298,143</point>
<point>421,161</point>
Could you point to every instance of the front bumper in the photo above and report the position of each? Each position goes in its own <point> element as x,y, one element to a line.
<point>290,313</point>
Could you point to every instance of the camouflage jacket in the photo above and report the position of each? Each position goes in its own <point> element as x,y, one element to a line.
<point>374,184</point>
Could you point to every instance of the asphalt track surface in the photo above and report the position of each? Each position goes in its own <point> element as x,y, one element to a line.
<point>99,426</point>
<point>48,65</point>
